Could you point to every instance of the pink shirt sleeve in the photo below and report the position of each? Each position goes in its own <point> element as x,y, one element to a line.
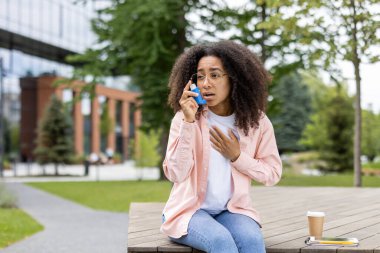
<point>266,166</point>
<point>179,159</point>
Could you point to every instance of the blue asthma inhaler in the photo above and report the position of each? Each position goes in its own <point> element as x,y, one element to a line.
<point>194,88</point>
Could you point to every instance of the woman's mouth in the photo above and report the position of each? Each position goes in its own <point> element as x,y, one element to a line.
<point>208,95</point>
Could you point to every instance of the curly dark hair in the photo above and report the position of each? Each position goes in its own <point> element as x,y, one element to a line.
<point>246,73</point>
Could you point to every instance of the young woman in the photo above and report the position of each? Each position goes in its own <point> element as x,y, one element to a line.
<point>215,150</point>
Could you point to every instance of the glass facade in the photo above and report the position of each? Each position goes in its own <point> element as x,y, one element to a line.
<point>18,64</point>
<point>35,38</point>
<point>60,24</point>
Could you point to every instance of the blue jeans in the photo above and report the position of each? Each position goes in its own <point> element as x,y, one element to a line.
<point>224,232</point>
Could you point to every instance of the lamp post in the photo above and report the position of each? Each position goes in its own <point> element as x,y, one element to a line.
<point>1,119</point>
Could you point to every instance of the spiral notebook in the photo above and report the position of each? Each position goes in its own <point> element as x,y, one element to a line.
<point>332,241</point>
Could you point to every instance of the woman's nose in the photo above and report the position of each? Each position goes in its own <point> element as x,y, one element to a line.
<point>206,84</point>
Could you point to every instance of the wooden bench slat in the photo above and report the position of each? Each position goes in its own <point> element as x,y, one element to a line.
<point>173,247</point>
<point>320,249</point>
<point>143,233</point>
<point>144,239</point>
<point>148,246</point>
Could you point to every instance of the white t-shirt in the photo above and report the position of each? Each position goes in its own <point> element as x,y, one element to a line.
<point>219,185</point>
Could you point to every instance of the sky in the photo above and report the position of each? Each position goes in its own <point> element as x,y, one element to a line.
<point>370,84</point>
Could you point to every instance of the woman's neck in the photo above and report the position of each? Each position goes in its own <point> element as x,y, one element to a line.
<point>221,110</point>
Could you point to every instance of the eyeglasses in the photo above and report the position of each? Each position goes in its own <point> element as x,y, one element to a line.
<point>212,77</point>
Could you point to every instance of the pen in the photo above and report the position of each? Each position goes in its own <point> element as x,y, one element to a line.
<point>335,242</point>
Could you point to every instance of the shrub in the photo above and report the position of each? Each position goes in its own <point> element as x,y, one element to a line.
<point>147,155</point>
<point>77,159</point>
<point>7,199</point>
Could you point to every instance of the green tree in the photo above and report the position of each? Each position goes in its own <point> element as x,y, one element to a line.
<point>147,156</point>
<point>15,139</point>
<point>54,144</point>
<point>295,104</point>
<point>106,125</point>
<point>331,127</point>
<point>340,119</point>
<point>11,141</point>
<point>141,39</point>
<point>350,33</point>
<point>315,133</point>
<point>7,136</point>
<point>371,134</point>
<point>272,29</point>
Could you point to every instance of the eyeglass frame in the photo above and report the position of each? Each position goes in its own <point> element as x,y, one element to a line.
<point>206,76</point>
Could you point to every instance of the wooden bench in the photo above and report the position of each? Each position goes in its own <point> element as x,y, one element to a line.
<point>350,212</point>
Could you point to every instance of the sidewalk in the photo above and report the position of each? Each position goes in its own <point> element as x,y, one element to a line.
<point>34,173</point>
<point>69,227</point>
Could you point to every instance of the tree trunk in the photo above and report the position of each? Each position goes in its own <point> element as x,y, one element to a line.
<point>358,129</point>
<point>263,34</point>
<point>358,117</point>
<point>182,31</point>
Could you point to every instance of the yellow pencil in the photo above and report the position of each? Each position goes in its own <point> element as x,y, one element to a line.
<point>336,242</point>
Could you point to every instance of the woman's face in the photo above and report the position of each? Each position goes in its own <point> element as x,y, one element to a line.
<point>214,85</point>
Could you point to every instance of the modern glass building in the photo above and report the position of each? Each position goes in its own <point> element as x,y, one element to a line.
<point>35,38</point>
<point>37,35</point>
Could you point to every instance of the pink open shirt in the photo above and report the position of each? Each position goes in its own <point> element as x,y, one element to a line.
<point>187,159</point>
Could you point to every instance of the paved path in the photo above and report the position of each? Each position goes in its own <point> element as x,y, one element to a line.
<point>69,227</point>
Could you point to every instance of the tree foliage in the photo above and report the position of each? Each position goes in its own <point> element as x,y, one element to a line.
<point>295,104</point>
<point>54,144</point>
<point>147,155</point>
<point>106,125</point>
<point>371,134</point>
<point>272,29</point>
<point>350,31</point>
<point>330,130</point>
<point>339,123</point>
<point>141,39</point>
<point>11,137</point>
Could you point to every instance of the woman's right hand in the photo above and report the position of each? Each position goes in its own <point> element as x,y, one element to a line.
<point>188,105</point>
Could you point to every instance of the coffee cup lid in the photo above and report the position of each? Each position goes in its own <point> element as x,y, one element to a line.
<point>315,214</point>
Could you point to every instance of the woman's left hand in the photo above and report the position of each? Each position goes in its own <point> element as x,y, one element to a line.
<point>228,146</point>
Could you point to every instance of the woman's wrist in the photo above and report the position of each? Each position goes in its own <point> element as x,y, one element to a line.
<point>189,120</point>
<point>234,159</point>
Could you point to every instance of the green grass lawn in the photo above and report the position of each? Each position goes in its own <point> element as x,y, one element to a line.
<point>372,165</point>
<point>346,180</point>
<point>110,195</point>
<point>15,225</point>
<point>116,196</point>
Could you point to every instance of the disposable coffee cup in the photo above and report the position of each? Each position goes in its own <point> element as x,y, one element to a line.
<point>316,220</point>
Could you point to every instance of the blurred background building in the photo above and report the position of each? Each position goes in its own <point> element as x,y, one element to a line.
<point>35,38</point>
